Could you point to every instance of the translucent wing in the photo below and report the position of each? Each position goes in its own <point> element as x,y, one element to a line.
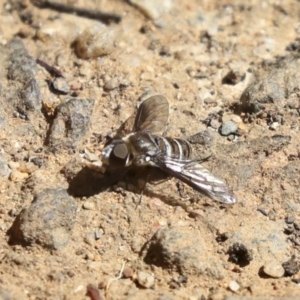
<point>152,115</point>
<point>195,175</point>
<point>126,127</point>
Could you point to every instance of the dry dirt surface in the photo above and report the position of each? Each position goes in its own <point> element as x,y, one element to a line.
<point>70,76</point>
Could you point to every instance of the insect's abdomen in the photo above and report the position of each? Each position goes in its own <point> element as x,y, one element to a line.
<point>174,147</point>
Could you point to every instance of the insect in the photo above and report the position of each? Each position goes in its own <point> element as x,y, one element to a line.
<point>146,146</point>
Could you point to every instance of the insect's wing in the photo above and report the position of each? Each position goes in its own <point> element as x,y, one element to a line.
<point>195,175</point>
<point>126,127</point>
<point>152,115</point>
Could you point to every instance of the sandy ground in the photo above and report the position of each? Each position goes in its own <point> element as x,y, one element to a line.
<point>229,70</point>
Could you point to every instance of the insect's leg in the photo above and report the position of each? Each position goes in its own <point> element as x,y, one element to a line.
<point>151,173</point>
<point>161,180</point>
<point>142,192</point>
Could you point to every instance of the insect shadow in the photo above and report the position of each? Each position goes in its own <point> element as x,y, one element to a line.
<point>142,181</point>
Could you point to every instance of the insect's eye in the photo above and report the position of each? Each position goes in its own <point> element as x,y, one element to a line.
<point>119,156</point>
<point>120,151</point>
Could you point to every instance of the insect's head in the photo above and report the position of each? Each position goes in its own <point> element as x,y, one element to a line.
<point>116,154</point>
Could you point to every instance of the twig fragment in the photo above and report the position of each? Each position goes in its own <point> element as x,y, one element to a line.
<point>103,17</point>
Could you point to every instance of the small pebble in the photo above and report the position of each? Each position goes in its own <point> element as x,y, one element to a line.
<point>60,85</point>
<point>99,233</point>
<point>289,219</point>
<point>128,272</point>
<point>228,128</point>
<point>89,205</point>
<point>4,169</point>
<point>17,176</point>
<point>274,269</point>
<point>231,137</point>
<point>214,124</point>
<point>209,100</point>
<point>234,286</point>
<point>154,8</point>
<point>89,256</point>
<point>90,238</point>
<point>95,41</point>
<point>26,167</point>
<point>75,85</point>
<point>61,60</point>
<point>13,165</point>
<point>112,84</point>
<point>103,284</point>
<point>291,267</point>
<point>85,69</point>
<point>296,280</point>
<point>274,125</point>
<point>145,279</point>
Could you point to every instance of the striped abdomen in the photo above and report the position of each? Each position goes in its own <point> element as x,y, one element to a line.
<point>174,147</point>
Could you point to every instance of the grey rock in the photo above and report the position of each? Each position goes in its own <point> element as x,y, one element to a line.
<point>72,120</point>
<point>265,238</point>
<point>281,188</point>
<point>21,69</point>
<point>181,248</point>
<point>60,85</point>
<point>228,128</point>
<point>30,95</point>
<point>273,89</point>
<point>291,267</point>
<point>48,221</point>
<point>237,174</point>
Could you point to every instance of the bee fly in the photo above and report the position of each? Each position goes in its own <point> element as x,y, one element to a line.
<point>145,146</point>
